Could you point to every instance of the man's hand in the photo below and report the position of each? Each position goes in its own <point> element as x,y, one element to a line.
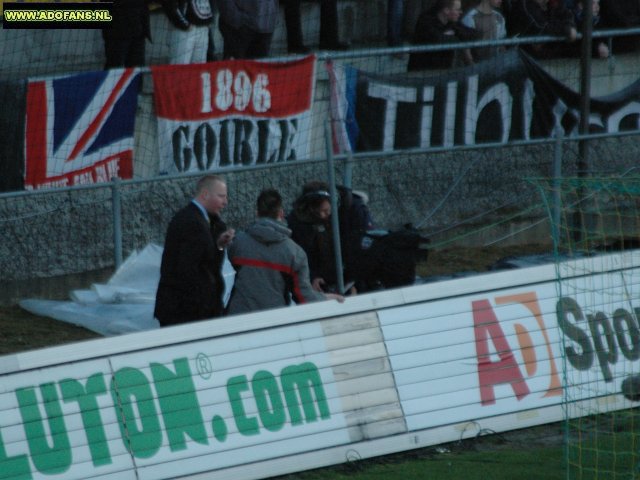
<point>603,50</point>
<point>226,238</point>
<point>317,284</point>
<point>334,296</point>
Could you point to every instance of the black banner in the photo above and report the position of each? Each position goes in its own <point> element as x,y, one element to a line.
<point>504,99</point>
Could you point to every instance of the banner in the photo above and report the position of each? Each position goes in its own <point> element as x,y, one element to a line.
<point>79,128</point>
<point>504,99</point>
<point>233,113</point>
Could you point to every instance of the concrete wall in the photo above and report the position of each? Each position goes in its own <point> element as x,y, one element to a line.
<point>468,198</point>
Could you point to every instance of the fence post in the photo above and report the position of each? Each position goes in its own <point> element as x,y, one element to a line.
<point>557,185</point>
<point>116,202</point>
<point>348,170</point>
<point>335,224</point>
<point>584,160</point>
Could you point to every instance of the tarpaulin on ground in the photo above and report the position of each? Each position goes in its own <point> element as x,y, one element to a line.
<point>233,113</point>
<point>80,128</point>
<point>122,305</point>
<point>507,98</point>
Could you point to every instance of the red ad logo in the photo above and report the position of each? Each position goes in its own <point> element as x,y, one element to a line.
<point>506,369</point>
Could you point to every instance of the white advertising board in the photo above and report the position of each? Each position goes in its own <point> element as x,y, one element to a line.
<point>173,411</point>
<point>502,351</point>
<point>273,392</point>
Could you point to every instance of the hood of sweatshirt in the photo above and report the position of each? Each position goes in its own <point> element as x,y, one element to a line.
<point>267,230</point>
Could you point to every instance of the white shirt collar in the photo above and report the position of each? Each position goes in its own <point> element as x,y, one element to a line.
<point>201,208</point>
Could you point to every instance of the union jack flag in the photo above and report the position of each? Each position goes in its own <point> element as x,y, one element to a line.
<point>80,128</point>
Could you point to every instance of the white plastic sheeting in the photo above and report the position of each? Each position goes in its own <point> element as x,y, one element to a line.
<point>122,305</point>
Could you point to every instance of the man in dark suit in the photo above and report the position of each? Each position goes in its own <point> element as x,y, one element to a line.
<point>191,283</point>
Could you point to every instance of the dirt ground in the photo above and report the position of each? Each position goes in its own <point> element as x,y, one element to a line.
<point>20,330</point>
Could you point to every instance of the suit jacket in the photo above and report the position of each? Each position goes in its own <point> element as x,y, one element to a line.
<point>191,283</point>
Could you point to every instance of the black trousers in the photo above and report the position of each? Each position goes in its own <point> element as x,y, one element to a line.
<point>122,50</point>
<point>244,43</point>
<point>328,23</point>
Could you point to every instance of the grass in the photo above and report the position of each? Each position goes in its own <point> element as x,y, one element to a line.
<point>537,463</point>
<point>601,447</point>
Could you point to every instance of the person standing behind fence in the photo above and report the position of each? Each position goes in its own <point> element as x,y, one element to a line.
<point>271,269</point>
<point>395,15</point>
<point>247,27</point>
<point>527,18</point>
<point>125,37</point>
<point>621,14</point>
<point>490,24</point>
<point>310,224</point>
<point>441,24</point>
<point>329,35</point>
<point>188,31</point>
<point>191,283</point>
<point>599,48</point>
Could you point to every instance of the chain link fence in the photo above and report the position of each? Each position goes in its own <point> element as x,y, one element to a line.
<point>463,194</point>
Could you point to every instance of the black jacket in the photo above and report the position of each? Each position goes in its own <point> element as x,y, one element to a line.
<point>527,18</point>
<point>184,13</point>
<point>315,238</point>
<point>191,283</point>
<point>430,30</point>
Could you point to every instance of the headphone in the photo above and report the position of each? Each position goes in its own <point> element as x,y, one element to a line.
<point>317,193</point>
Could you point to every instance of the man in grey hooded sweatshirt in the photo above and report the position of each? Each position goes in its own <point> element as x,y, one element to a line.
<point>271,269</point>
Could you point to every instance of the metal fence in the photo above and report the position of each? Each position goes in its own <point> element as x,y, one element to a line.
<point>473,193</point>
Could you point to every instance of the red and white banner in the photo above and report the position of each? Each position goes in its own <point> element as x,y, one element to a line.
<point>233,113</point>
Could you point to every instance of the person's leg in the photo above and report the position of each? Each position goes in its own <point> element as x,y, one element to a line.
<point>293,26</point>
<point>395,10</point>
<point>329,37</point>
<point>135,52</point>
<point>211,44</point>
<point>181,44</point>
<point>114,50</point>
<point>236,42</point>
<point>260,45</point>
<point>412,10</point>
<point>200,43</point>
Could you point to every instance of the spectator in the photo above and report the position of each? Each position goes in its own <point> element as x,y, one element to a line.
<point>271,269</point>
<point>619,14</point>
<point>211,45</point>
<point>188,37</point>
<point>600,48</point>
<point>125,37</point>
<point>355,221</point>
<point>490,24</point>
<point>191,283</point>
<point>310,224</point>
<point>329,38</point>
<point>247,27</point>
<point>441,24</point>
<point>528,18</point>
<point>395,11</point>
<point>412,10</point>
